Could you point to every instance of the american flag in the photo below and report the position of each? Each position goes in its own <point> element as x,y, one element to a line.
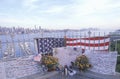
<point>92,43</point>
<point>46,45</point>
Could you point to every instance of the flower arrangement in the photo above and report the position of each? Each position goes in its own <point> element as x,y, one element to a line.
<point>82,63</point>
<point>49,61</point>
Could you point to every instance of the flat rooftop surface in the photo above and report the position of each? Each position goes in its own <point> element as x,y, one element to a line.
<point>78,75</point>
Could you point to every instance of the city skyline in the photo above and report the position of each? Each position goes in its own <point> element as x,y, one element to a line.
<point>60,14</point>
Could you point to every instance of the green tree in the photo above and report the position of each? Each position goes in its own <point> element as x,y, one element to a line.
<point>113,46</point>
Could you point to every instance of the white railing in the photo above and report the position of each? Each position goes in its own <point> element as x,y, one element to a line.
<point>23,44</point>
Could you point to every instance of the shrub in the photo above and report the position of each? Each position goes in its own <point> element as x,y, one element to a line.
<point>82,63</point>
<point>118,67</point>
<point>118,60</point>
<point>49,61</point>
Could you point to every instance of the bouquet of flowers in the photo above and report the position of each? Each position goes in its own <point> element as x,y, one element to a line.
<point>50,62</point>
<point>82,63</point>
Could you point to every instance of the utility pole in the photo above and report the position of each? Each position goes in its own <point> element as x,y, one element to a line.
<point>13,45</point>
<point>89,33</point>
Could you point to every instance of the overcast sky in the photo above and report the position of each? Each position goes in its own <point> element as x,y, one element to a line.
<point>61,14</point>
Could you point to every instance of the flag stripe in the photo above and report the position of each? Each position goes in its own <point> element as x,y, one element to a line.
<point>96,38</point>
<point>93,43</point>
<point>90,38</point>
<point>88,44</point>
<point>92,48</point>
<point>88,41</point>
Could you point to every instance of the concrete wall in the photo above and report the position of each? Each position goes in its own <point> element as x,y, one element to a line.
<point>19,67</point>
<point>101,61</point>
<point>66,55</point>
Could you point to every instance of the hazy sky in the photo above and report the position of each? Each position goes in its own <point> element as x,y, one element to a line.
<point>61,14</point>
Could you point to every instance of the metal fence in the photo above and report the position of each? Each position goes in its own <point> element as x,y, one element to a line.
<point>18,45</point>
<point>12,46</point>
